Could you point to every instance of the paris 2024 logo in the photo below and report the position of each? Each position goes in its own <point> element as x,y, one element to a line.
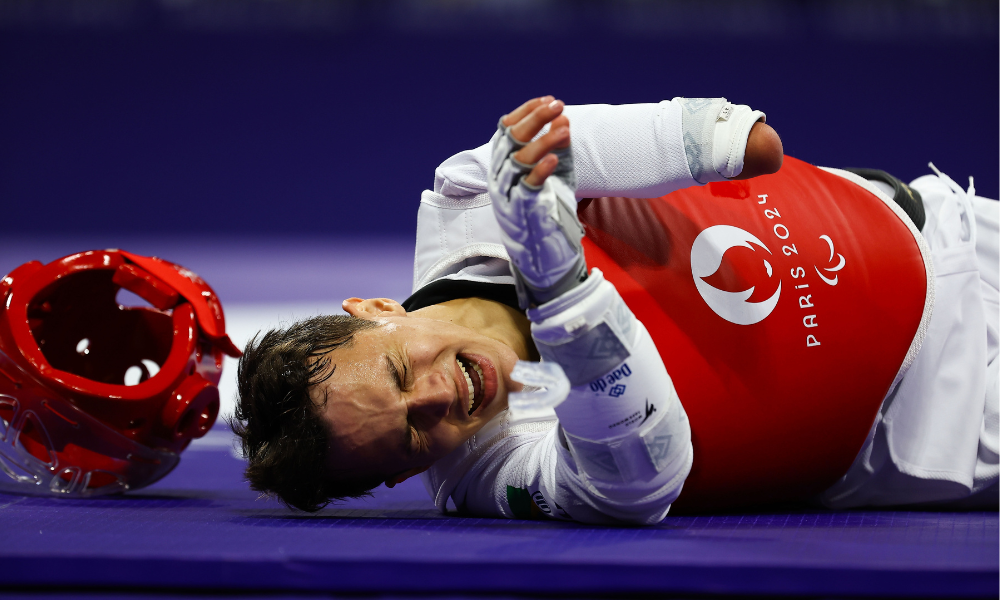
<point>706,257</point>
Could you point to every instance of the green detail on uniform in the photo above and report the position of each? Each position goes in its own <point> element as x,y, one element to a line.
<point>519,501</point>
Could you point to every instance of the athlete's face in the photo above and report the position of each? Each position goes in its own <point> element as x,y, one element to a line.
<point>399,399</point>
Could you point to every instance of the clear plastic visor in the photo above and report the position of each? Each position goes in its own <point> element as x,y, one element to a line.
<point>44,438</point>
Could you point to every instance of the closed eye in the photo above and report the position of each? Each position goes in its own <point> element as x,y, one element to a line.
<point>397,375</point>
<point>405,376</point>
<point>411,435</point>
<point>411,441</point>
<point>408,439</point>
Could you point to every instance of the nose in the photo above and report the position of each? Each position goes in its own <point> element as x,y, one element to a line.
<point>432,397</point>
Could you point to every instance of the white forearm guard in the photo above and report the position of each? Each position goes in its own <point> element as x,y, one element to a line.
<point>538,225</point>
<point>624,424</point>
<point>715,136</point>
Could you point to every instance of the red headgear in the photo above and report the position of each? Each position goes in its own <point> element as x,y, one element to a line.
<point>95,397</point>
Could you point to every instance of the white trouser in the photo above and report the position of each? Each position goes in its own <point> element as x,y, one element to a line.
<point>936,437</point>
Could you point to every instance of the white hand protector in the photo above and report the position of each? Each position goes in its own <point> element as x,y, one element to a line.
<point>539,225</point>
<point>715,136</point>
<point>623,422</point>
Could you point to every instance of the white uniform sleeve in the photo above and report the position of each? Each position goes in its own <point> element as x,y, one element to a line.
<point>621,447</point>
<point>634,150</point>
<point>532,476</point>
<point>625,439</point>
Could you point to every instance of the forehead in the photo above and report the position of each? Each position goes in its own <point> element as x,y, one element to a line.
<point>359,362</point>
<point>358,381</point>
<point>364,357</point>
<point>393,334</point>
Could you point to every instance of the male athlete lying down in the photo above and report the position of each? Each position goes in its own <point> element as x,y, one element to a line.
<point>847,391</point>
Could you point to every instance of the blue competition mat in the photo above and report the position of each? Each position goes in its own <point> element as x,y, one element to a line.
<point>201,532</point>
<point>202,529</point>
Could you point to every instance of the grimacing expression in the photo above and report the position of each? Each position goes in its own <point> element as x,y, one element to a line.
<point>399,398</point>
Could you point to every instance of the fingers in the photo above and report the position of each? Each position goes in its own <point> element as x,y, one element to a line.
<point>562,121</point>
<point>522,111</point>
<point>530,124</point>
<point>557,137</point>
<point>542,170</point>
<point>525,122</point>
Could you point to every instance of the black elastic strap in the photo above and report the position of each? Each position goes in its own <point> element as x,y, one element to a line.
<point>906,197</point>
<point>444,290</point>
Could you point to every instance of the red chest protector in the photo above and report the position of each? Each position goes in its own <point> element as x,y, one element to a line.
<point>783,307</point>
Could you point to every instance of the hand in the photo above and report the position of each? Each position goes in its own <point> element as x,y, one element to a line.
<point>525,122</point>
<point>532,190</point>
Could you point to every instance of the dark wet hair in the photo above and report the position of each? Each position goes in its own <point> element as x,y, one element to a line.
<point>282,435</point>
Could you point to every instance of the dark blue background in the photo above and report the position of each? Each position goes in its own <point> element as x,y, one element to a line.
<point>321,118</point>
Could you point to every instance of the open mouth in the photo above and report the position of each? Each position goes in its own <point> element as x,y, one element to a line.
<point>475,380</point>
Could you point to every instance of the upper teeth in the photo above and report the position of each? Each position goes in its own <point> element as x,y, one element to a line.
<point>468,379</point>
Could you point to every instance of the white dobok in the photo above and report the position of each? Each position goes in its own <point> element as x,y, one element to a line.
<point>935,439</point>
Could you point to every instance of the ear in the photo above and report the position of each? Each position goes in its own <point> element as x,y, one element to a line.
<point>373,307</point>
<point>401,477</point>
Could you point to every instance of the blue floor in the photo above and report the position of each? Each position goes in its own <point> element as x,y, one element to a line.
<point>201,529</point>
<point>201,532</point>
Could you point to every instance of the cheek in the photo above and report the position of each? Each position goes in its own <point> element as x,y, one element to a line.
<point>443,439</point>
<point>506,358</point>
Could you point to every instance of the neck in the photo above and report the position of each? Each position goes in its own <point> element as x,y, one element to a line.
<point>492,319</point>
